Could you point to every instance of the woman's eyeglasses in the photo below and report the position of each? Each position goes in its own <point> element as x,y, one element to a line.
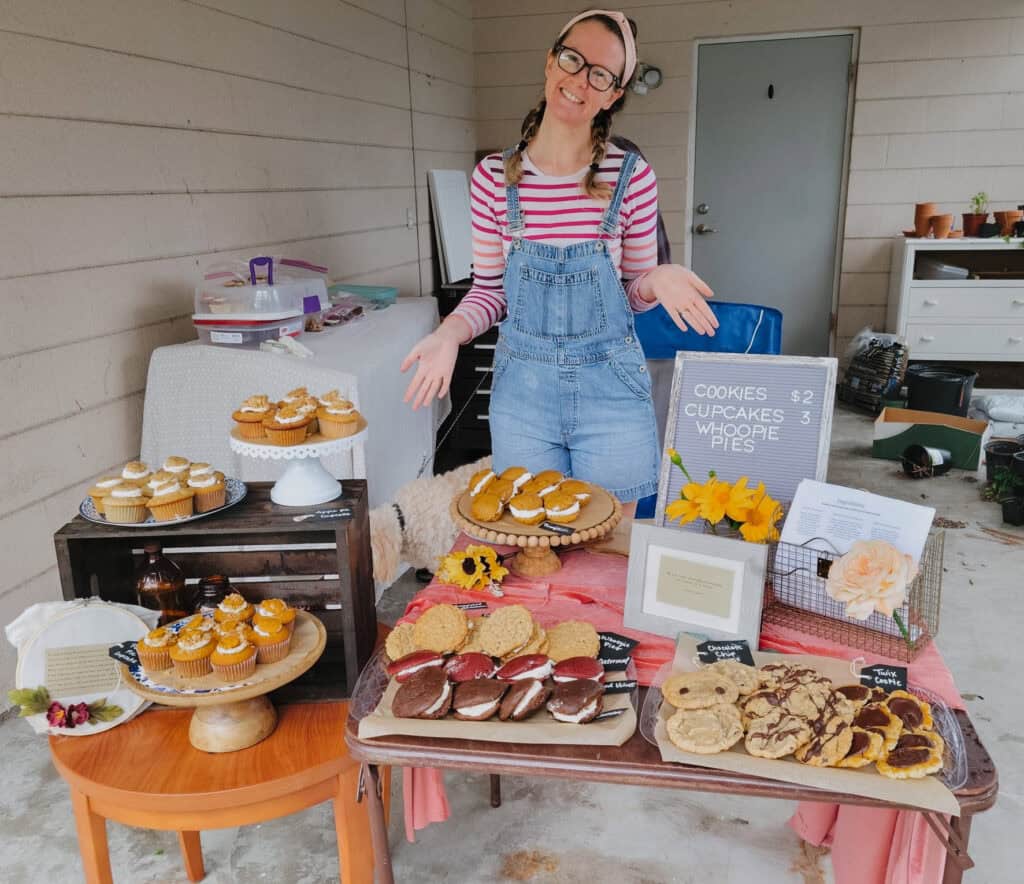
<point>570,61</point>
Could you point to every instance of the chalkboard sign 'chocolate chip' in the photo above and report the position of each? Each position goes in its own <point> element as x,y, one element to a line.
<point>713,651</point>
<point>888,678</point>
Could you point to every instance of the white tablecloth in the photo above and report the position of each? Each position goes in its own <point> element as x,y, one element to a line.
<point>192,389</point>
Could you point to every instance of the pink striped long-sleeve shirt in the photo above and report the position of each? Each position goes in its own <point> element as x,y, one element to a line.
<point>557,212</point>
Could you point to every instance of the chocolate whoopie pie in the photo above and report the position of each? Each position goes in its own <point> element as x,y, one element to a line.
<point>478,699</point>
<point>426,694</point>
<point>576,702</point>
<point>524,697</point>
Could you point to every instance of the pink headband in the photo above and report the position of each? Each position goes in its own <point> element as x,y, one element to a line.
<point>624,28</point>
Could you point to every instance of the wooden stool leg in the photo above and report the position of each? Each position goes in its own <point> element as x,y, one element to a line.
<point>192,854</point>
<point>954,872</point>
<point>378,825</point>
<point>352,824</point>
<point>92,840</point>
<point>385,788</point>
<point>495,790</point>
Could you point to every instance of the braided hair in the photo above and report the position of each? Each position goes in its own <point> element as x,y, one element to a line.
<point>600,130</point>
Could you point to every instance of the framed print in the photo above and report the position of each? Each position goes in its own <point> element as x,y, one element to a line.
<point>739,414</point>
<point>705,585</point>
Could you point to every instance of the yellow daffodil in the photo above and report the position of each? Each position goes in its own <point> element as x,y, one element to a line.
<point>759,526</point>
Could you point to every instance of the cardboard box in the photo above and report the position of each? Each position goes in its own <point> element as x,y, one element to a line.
<point>896,428</point>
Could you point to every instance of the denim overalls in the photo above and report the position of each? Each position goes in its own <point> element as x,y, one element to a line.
<point>571,390</point>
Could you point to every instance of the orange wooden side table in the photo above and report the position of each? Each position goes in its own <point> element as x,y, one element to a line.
<point>146,773</point>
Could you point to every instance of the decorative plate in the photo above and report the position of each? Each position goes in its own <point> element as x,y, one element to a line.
<point>235,489</point>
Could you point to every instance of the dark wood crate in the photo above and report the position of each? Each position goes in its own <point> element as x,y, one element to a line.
<point>324,567</point>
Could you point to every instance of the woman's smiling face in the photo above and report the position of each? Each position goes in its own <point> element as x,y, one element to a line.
<point>570,97</point>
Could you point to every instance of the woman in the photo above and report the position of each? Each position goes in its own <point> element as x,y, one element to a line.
<point>564,248</point>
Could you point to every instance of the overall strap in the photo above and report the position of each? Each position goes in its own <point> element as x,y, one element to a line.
<point>513,213</point>
<point>610,220</point>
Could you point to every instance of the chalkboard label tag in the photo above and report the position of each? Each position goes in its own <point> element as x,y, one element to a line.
<point>472,606</point>
<point>555,528</point>
<point>620,687</point>
<point>712,652</point>
<point>125,653</point>
<point>614,664</point>
<point>608,713</point>
<point>615,645</point>
<point>888,678</point>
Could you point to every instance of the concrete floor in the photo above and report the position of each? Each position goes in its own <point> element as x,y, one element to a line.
<point>550,831</point>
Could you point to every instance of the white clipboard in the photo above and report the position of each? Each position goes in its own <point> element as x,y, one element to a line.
<point>449,201</point>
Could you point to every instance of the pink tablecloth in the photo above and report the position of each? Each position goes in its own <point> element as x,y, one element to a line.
<point>868,846</point>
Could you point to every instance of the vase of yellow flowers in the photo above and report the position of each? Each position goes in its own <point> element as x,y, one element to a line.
<point>726,508</point>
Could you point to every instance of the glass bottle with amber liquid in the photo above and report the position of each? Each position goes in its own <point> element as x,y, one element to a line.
<point>160,585</point>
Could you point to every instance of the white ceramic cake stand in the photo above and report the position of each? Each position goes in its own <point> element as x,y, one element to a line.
<point>305,481</point>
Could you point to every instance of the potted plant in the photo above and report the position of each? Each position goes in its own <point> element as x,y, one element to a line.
<point>1008,489</point>
<point>978,214</point>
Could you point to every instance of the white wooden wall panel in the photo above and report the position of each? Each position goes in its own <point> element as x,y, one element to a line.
<point>141,141</point>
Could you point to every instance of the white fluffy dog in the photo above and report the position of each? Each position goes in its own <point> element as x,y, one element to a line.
<point>417,528</point>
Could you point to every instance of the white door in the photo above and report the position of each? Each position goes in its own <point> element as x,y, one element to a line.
<point>770,142</point>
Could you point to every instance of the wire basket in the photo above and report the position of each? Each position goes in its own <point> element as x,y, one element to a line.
<point>795,597</point>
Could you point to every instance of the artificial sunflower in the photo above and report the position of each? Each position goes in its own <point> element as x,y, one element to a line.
<point>474,568</point>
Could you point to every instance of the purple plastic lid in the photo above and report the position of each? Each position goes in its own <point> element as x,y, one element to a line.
<point>311,304</point>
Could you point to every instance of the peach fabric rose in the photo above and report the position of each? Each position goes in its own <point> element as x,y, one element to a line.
<point>872,576</point>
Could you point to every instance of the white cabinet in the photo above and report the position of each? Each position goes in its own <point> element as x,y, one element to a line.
<point>969,320</point>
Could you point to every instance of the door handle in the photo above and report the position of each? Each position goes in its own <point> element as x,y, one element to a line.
<point>703,228</point>
<point>927,339</point>
<point>928,302</point>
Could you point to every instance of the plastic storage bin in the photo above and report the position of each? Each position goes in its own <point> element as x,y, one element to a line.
<point>260,286</point>
<point>247,333</point>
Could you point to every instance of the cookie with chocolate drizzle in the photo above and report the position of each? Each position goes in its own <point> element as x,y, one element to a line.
<point>877,717</point>
<point>914,712</point>
<point>829,745</point>
<point>777,734</point>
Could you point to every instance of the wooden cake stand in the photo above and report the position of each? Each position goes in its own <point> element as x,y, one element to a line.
<point>537,557</point>
<point>240,717</point>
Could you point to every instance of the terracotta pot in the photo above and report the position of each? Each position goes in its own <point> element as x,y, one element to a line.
<point>1006,220</point>
<point>922,215</point>
<point>941,225</point>
<point>972,222</point>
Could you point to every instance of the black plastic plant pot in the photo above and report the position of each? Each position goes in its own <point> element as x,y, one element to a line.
<point>924,462</point>
<point>1017,465</point>
<point>999,453</point>
<point>1013,510</point>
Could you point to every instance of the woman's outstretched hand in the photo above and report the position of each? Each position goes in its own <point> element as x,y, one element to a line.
<point>682,293</point>
<point>434,357</point>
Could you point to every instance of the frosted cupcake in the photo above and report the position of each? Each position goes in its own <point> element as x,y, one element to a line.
<point>234,658</point>
<point>191,653</point>
<point>136,472</point>
<point>309,406</point>
<point>338,419</point>
<point>125,505</point>
<point>101,489</point>
<point>279,610</point>
<point>234,607</point>
<point>155,480</point>
<point>154,650</point>
<point>170,501</point>
<point>209,489</point>
<point>287,426</point>
<point>176,465</point>
<point>250,415</point>
<point>198,621</point>
<point>272,639</point>
<point>294,397</point>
